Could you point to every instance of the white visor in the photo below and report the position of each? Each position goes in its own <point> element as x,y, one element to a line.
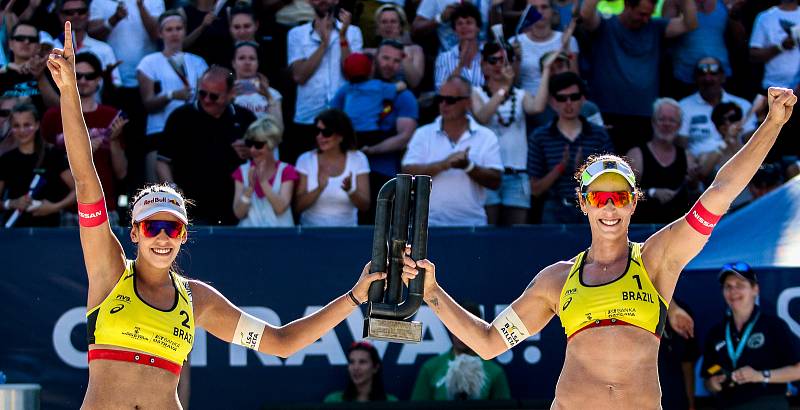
<point>160,201</point>
<point>607,165</point>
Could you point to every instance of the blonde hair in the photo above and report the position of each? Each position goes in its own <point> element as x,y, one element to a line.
<point>393,7</point>
<point>266,129</point>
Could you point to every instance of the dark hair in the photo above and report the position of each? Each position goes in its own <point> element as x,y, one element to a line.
<point>243,8</point>
<point>564,80</point>
<point>24,23</point>
<point>391,43</point>
<point>768,176</point>
<point>91,59</point>
<point>492,48</point>
<point>635,3</point>
<point>721,110</point>
<point>378,390</point>
<point>38,140</point>
<point>466,10</point>
<point>60,3</point>
<point>218,71</point>
<point>338,122</point>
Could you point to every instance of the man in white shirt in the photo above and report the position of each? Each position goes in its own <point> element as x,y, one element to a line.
<point>315,52</point>
<point>774,43</point>
<point>462,156</point>
<point>703,137</point>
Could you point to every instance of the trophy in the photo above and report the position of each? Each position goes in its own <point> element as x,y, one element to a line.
<point>402,212</point>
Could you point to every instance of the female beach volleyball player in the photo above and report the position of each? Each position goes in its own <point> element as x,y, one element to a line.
<point>141,314</point>
<point>612,298</point>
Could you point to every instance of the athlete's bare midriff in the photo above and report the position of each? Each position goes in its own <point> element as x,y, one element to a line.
<point>611,367</point>
<point>125,386</point>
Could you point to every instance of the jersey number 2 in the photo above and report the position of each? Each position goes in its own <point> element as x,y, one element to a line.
<point>186,322</point>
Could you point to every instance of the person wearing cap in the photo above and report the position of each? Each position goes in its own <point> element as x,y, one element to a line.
<point>612,298</point>
<point>751,355</point>
<point>142,315</point>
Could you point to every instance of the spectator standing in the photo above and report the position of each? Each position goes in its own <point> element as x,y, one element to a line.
<point>167,80</point>
<point>391,24</point>
<point>445,376</point>
<point>557,149</point>
<point>696,125</point>
<point>201,147</point>
<point>751,355</point>
<point>707,40</point>
<point>316,52</point>
<point>663,168</point>
<point>773,44</point>
<point>727,118</point>
<point>25,75</point>
<point>365,377</point>
<point>438,15</point>
<point>18,167</point>
<point>207,31</point>
<point>252,88</point>
<point>463,59</point>
<point>244,27</point>
<point>503,107</point>
<point>7,103</point>
<point>624,58</point>
<point>264,185</point>
<point>536,41</point>
<point>105,125</point>
<point>334,177</point>
<point>462,156</point>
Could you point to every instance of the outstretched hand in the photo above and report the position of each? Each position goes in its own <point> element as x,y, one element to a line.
<point>361,289</point>
<point>61,62</point>
<point>781,103</point>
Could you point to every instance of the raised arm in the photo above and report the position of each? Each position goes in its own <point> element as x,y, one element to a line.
<point>525,317</point>
<point>684,23</point>
<point>102,252</point>
<point>224,320</point>
<point>670,249</point>
<point>589,17</point>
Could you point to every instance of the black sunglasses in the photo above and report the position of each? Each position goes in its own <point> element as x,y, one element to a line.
<point>5,113</point>
<point>326,132</point>
<point>565,97</point>
<point>733,116</point>
<point>448,99</point>
<point>254,144</point>
<point>75,12</point>
<point>211,96</point>
<point>711,68</point>
<point>494,60</point>
<point>87,76</point>
<point>25,39</point>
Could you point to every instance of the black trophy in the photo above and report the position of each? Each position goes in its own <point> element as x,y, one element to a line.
<point>402,212</point>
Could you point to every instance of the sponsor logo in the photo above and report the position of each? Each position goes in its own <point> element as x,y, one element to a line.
<point>116,309</point>
<point>701,220</point>
<point>249,340</point>
<point>162,200</point>
<point>566,304</point>
<point>719,345</point>
<point>124,298</point>
<point>511,334</point>
<point>570,292</point>
<point>166,342</point>
<point>621,312</point>
<point>182,334</point>
<point>90,215</point>
<point>135,334</point>
<point>755,341</point>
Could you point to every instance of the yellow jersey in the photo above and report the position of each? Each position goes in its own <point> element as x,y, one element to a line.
<point>123,319</point>
<point>631,299</point>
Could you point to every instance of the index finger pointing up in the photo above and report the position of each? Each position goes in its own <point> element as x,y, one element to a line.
<point>68,50</point>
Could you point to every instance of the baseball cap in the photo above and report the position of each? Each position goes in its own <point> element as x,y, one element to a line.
<point>357,65</point>
<point>605,165</point>
<point>741,269</point>
<point>161,200</point>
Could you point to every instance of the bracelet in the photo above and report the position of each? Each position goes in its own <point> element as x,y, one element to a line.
<point>245,199</point>
<point>7,204</point>
<point>469,167</point>
<point>170,95</point>
<point>353,298</point>
<point>561,167</point>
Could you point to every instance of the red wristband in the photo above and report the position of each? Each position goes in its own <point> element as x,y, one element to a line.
<point>701,219</point>
<point>90,215</point>
<point>561,168</point>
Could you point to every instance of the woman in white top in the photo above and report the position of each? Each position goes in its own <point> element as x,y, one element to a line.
<point>252,88</point>
<point>167,78</point>
<point>502,107</point>
<point>264,185</point>
<point>334,178</point>
<point>538,40</point>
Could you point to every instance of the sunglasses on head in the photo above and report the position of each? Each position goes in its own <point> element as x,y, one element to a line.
<point>564,97</point>
<point>448,99</point>
<point>25,39</point>
<point>75,12</point>
<point>599,199</point>
<point>87,76</point>
<point>254,144</point>
<point>710,68</point>
<point>326,132</point>
<point>738,267</point>
<point>211,96</point>
<point>152,228</point>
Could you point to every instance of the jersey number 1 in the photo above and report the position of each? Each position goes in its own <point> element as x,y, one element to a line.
<point>638,281</point>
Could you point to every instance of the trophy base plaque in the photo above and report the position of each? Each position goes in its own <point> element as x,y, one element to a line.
<point>392,330</point>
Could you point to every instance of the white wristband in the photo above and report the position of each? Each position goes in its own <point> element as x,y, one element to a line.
<point>469,167</point>
<point>511,327</point>
<point>245,199</point>
<point>7,204</point>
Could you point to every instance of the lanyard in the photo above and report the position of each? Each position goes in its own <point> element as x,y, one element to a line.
<point>742,342</point>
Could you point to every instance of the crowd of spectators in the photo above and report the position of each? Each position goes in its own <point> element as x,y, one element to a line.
<point>277,113</point>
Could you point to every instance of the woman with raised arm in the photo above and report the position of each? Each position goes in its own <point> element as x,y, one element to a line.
<point>141,314</point>
<point>612,299</point>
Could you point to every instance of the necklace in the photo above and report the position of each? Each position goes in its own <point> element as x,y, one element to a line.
<point>511,95</point>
